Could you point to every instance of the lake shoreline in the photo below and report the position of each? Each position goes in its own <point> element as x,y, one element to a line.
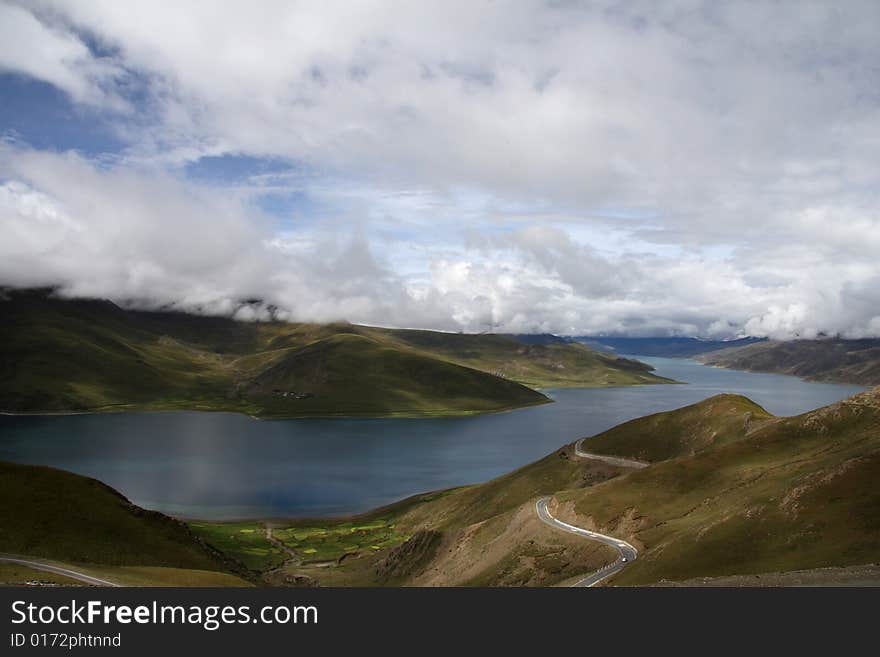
<point>221,466</point>
<point>333,416</point>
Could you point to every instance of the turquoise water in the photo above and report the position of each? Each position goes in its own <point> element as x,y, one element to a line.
<point>223,465</point>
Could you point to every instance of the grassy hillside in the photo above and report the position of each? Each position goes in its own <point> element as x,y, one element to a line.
<point>709,423</point>
<point>560,365</point>
<point>841,361</point>
<point>69,355</point>
<point>351,373</point>
<point>732,490</point>
<point>790,493</point>
<point>486,535</point>
<point>57,515</point>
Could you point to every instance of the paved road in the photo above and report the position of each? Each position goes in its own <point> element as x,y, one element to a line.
<point>48,568</point>
<point>611,460</point>
<point>625,551</point>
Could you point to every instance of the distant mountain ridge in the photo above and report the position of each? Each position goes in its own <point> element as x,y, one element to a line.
<point>672,347</point>
<point>669,347</point>
<point>825,359</point>
<point>538,338</point>
<point>828,359</point>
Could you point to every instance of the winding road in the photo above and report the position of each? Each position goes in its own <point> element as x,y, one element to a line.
<point>610,460</point>
<point>625,551</point>
<point>48,568</point>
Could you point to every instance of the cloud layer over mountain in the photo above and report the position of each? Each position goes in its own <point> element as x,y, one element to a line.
<point>697,168</point>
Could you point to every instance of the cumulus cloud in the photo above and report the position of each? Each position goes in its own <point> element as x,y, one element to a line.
<point>689,167</point>
<point>52,54</point>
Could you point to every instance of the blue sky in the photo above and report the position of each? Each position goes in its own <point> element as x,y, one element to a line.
<point>689,168</point>
<point>42,116</point>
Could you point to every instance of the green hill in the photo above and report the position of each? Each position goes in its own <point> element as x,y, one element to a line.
<point>709,423</point>
<point>790,493</point>
<point>61,355</point>
<point>355,374</point>
<point>52,514</point>
<point>559,365</point>
<point>826,359</point>
<point>666,347</point>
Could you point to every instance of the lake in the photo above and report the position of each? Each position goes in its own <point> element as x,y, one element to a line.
<point>224,465</point>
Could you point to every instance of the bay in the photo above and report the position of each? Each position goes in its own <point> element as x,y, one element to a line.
<point>225,466</point>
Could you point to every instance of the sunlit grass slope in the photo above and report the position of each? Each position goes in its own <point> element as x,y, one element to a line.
<point>789,493</point>
<point>824,359</point>
<point>57,515</point>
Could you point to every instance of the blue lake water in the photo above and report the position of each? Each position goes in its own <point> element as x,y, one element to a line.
<point>224,465</point>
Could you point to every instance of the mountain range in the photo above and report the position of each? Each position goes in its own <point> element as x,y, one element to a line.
<point>668,347</point>
<point>825,359</point>
<point>60,355</point>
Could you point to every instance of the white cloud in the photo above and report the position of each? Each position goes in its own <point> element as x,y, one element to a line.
<point>29,46</point>
<point>146,238</point>
<point>693,167</point>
